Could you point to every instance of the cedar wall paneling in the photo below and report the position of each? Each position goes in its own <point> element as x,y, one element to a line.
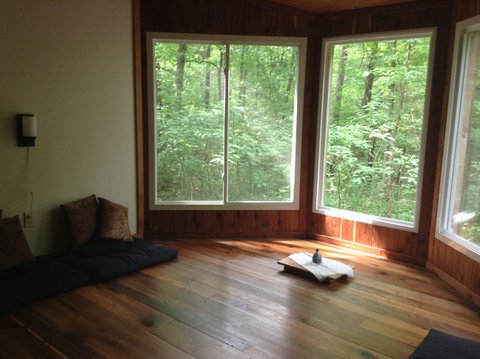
<point>453,266</point>
<point>249,17</point>
<point>236,17</point>
<point>139,125</point>
<point>393,243</point>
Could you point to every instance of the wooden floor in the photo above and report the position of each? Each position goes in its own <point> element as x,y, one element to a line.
<point>230,299</point>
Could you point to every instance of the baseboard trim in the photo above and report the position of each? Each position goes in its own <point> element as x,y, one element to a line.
<point>372,250</point>
<point>179,235</point>
<point>467,293</point>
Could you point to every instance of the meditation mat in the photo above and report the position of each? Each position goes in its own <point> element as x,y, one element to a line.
<point>440,345</point>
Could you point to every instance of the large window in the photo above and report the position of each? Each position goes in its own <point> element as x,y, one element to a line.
<point>225,121</point>
<point>459,213</point>
<point>371,137</point>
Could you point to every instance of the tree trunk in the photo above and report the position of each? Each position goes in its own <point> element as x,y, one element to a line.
<point>290,80</point>
<point>388,157</point>
<point>367,94</point>
<point>206,95</point>
<point>340,83</point>
<point>243,79</point>
<point>158,84</point>
<point>180,74</point>
<point>220,72</point>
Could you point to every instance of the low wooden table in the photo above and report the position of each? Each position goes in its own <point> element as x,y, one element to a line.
<point>293,267</point>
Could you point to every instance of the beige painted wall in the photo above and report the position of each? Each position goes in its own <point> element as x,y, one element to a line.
<point>70,63</point>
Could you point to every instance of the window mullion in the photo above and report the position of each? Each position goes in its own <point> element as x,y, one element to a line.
<point>225,130</point>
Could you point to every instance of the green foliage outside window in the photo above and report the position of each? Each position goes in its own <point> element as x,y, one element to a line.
<point>375,120</point>
<point>262,94</point>
<point>466,194</point>
<point>189,121</point>
<point>190,89</point>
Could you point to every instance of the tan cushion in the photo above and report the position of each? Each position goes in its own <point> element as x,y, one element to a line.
<point>113,221</point>
<point>82,217</point>
<point>13,245</point>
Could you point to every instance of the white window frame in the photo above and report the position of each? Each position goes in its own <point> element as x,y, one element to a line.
<point>293,204</point>
<point>450,154</point>
<point>322,130</point>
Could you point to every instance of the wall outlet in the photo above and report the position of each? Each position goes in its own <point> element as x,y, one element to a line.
<point>28,220</point>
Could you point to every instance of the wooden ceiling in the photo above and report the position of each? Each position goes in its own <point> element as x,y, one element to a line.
<point>325,6</point>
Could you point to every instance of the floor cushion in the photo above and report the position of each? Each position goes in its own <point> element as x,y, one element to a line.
<point>113,221</point>
<point>440,345</point>
<point>102,246</point>
<point>106,259</point>
<point>14,249</point>
<point>29,282</point>
<point>82,217</point>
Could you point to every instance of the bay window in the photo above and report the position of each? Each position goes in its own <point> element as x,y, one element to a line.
<point>372,115</point>
<point>458,221</point>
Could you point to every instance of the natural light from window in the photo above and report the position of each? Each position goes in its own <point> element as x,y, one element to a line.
<point>227,121</point>
<point>372,127</point>
<point>459,213</point>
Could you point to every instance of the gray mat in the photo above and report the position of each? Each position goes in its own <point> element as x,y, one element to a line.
<point>440,345</point>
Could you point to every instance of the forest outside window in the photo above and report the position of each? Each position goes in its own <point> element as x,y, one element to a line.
<point>458,220</point>
<point>225,121</point>
<point>372,127</point>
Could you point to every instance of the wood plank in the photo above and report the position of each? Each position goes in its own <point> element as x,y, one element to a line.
<point>79,333</point>
<point>229,298</point>
<point>464,290</point>
<point>263,284</point>
<point>250,17</point>
<point>245,298</point>
<point>328,6</point>
<point>452,265</point>
<point>17,342</point>
<point>399,255</point>
<point>263,327</point>
<point>223,17</point>
<point>139,123</point>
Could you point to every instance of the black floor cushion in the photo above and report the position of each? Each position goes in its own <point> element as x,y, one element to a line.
<point>30,282</point>
<point>439,345</point>
<point>107,259</point>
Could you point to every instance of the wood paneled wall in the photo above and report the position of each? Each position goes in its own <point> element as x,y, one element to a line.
<point>394,243</point>
<point>248,17</point>
<point>453,266</point>
<point>236,17</point>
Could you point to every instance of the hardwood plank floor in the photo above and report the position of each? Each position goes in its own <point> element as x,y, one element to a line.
<point>230,299</point>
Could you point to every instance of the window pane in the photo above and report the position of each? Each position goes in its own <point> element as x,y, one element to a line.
<point>189,115</point>
<point>261,122</point>
<point>376,110</point>
<point>465,219</point>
